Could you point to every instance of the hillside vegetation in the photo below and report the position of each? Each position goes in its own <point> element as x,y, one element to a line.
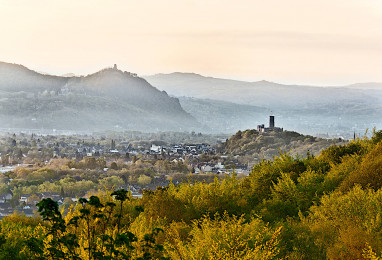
<point>269,144</point>
<point>108,99</point>
<point>320,207</point>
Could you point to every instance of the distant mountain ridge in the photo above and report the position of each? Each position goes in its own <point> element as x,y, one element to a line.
<point>306,109</point>
<point>115,99</point>
<point>106,99</point>
<point>366,85</point>
<point>260,93</point>
<point>192,75</point>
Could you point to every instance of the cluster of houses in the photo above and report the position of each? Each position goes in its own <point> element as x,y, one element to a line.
<point>220,168</point>
<point>193,151</point>
<point>78,149</point>
<point>194,154</point>
<point>125,149</point>
<point>181,149</point>
<point>26,203</point>
<point>174,153</point>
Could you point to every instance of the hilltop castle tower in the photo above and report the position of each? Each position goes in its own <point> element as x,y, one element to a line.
<point>272,127</point>
<point>271,122</point>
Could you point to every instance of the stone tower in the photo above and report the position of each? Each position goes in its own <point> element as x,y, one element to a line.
<point>271,122</point>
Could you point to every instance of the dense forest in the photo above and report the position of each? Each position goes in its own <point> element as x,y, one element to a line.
<point>319,207</point>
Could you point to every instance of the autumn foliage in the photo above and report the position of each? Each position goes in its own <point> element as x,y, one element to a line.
<point>315,207</point>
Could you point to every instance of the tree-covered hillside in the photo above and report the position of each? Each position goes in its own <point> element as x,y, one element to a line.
<point>268,144</point>
<point>108,99</point>
<point>320,207</point>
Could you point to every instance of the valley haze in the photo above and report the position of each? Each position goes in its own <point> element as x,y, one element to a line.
<point>111,99</point>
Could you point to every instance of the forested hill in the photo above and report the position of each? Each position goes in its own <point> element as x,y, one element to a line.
<point>269,144</point>
<point>104,100</point>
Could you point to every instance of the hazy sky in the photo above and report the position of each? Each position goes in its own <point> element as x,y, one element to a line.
<point>289,41</point>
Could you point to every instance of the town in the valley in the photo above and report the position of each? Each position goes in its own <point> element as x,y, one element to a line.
<point>64,168</point>
<point>38,165</point>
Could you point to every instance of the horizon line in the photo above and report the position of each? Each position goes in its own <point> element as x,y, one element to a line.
<point>144,75</point>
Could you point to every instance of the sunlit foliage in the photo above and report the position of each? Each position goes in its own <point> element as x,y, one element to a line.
<point>319,207</point>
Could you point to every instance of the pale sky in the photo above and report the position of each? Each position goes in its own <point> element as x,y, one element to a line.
<point>320,42</point>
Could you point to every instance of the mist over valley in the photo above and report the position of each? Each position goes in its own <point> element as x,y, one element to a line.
<point>336,111</point>
<point>112,99</point>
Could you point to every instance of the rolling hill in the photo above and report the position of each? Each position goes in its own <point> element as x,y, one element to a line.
<point>107,99</point>
<point>266,145</point>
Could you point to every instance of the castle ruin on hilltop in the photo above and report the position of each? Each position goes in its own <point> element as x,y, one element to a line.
<point>263,129</point>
